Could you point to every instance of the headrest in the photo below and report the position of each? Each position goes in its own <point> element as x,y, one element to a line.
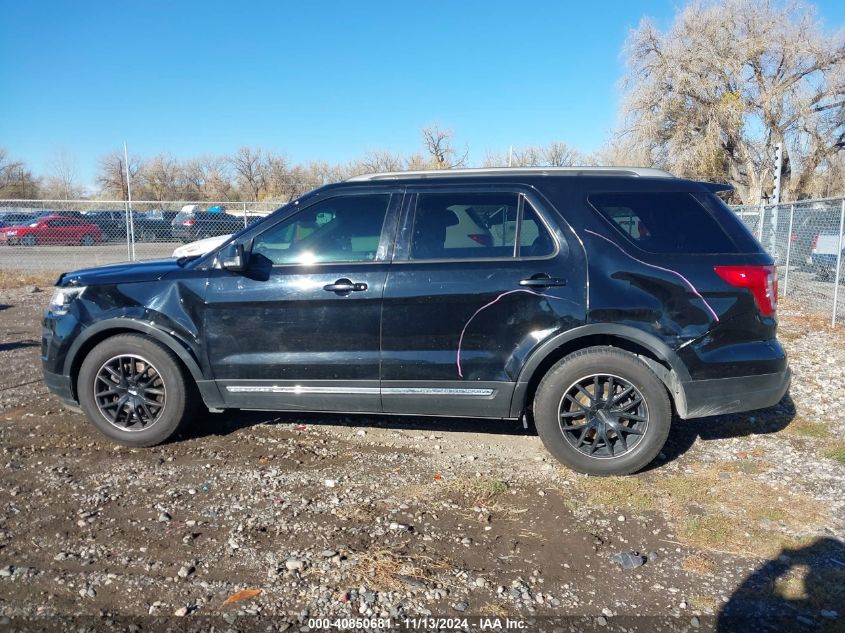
<point>439,216</point>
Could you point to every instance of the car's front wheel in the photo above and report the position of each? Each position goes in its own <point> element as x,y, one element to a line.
<point>602,411</point>
<point>135,391</point>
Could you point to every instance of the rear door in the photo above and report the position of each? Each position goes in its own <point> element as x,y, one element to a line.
<point>481,276</point>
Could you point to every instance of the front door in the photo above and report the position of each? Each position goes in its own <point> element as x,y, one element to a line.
<point>480,278</point>
<point>300,328</point>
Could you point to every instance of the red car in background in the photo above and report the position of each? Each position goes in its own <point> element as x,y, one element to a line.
<point>52,229</point>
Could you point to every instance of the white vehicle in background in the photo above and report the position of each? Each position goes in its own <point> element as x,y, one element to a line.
<point>200,247</point>
<point>824,255</point>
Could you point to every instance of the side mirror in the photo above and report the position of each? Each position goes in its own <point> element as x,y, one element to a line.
<point>232,257</point>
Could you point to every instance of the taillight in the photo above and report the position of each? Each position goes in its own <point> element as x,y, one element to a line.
<point>794,237</point>
<point>482,238</point>
<point>189,222</point>
<point>762,281</point>
<point>815,242</point>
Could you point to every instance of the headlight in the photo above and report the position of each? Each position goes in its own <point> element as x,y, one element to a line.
<point>63,297</point>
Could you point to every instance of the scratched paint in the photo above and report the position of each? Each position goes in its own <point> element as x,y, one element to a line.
<point>666,270</point>
<point>487,305</point>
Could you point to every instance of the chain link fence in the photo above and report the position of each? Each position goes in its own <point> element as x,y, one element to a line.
<point>805,238</point>
<point>59,235</point>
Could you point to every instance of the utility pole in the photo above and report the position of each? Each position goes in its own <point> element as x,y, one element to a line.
<point>778,167</point>
<point>130,224</point>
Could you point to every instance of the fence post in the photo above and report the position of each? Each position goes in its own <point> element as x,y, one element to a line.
<point>838,262</point>
<point>788,250</point>
<point>760,223</point>
<point>244,205</point>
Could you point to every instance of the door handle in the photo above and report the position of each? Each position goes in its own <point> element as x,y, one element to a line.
<point>344,286</point>
<point>542,280</point>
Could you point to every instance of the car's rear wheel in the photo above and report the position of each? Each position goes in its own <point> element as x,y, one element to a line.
<point>135,391</point>
<point>87,240</point>
<point>29,240</point>
<point>148,236</point>
<point>602,411</point>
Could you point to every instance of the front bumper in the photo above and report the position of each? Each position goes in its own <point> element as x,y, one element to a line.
<point>60,385</point>
<point>733,395</point>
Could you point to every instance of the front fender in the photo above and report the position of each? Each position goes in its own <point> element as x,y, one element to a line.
<point>171,340</point>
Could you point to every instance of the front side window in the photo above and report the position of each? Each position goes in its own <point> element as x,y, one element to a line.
<point>476,226</point>
<point>341,229</point>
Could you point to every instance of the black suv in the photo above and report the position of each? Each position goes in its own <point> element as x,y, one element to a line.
<point>597,301</point>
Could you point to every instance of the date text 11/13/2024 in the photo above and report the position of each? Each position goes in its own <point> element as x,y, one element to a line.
<point>419,624</point>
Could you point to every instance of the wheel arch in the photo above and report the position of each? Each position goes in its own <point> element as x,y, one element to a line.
<point>647,347</point>
<point>103,330</point>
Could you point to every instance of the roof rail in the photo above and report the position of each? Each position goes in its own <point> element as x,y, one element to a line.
<point>650,172</point>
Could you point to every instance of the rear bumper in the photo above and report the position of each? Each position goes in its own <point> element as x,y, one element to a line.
<point>733,395</point>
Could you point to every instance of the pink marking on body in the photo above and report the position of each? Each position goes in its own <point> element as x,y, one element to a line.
<point>487,305</point>
<point>666,270</point>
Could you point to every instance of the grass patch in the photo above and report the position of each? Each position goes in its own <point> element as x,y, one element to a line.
<point>807,428</point>
<point>10,279</point>
<point>708,531</point>
<point>388,570</point>
<point>703,603</point>
<point>796,321</point>
<point>615,493</point>
<point>698,564</point>
<point>770,514</point>
<point>837,453</point>
<point>489,488</point>
<point>715,507</point>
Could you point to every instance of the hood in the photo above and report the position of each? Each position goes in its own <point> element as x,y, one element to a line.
<point>200,247</point>
<point>127,272</point>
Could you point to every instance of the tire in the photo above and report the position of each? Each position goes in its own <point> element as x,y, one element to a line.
<point>28,240</point>
<point>561,408</point>
<point>148,236</point>
<point>87,240</point>
<point>176,392</point>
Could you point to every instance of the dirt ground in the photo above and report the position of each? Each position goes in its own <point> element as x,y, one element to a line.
<point>331,517</point>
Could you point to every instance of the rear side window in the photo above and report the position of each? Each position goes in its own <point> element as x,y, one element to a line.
<point>477,226</point>
<point>665,222</point>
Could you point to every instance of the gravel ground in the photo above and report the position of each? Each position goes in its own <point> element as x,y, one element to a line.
<point>326,516</point>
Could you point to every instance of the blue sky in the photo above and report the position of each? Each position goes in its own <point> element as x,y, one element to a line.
<point>313,80</point>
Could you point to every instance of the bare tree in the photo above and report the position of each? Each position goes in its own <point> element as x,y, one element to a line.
<point>710,97</point>
<point>161,179</point>
<point>250,167</point>
<point>559,154</point>
<point>111,175</point>
<point>439,145</point>
<point>555,154</point>
<point>61,181</point>
<point>381,161</point>
<point>218,179</point>
<point>16,180</point>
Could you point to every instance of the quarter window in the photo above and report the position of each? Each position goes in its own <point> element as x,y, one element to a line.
<point>665,222</point>
<point>342,229</point>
